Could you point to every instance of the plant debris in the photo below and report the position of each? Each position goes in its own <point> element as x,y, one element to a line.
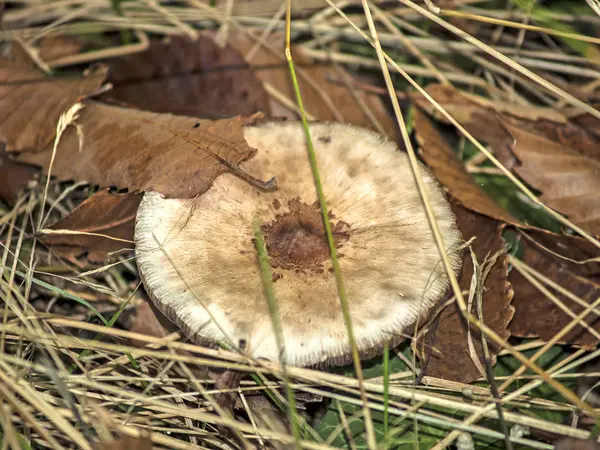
<point>102,224</point>
<point>445,349</point>
<point>14,177</point>
<point>57,46</point>
<point>142,151</point>
<point>126,442</point>
<point>324,98</point>
<point>31,103</point>
<point>188,77</point>
<point>554,155</point>
<point>555,257</point>
<point>449,171</point>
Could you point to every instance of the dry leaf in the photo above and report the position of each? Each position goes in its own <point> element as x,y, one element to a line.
<point>535,315</point>
<point>111,219</point>
<point>272,69</point>
<point>479,118</point>
<point>31,103</point>
<point>570,443</point>
<point>569,134</point>
<point>145,318</point>
<point>14,177</point>
<point>445,351</point>
<point>486,120</point>
<point>538,316</point>
<point>557,157</point>
<point>193,78</point>
<point>588,122</point>
<point>177,156</point>
<point>576,254</point>
<point>569,180</point>
<point>451,173</point>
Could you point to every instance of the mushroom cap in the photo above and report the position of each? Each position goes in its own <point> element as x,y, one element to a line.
<point>198,260</point>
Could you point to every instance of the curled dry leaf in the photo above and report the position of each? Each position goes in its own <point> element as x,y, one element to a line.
<point>102,224</point>
<point>31,103</point>
<point>188,77</point>
<point>562,259</point>
<point>178,156</point>
<point>451,173</point>
<point>558,157</point>
<point>324,95</point>
<point>444,351</point>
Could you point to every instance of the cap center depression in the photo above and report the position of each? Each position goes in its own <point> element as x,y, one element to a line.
<point>296,240</point>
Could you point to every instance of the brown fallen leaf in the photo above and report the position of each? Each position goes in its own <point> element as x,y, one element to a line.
<point>177,156</point>
<point>571,134</point>
<point>31,103</point>
<point>578,255</point>
<point>444,352</point>
<point>14,177</point>
<point>324,96</point>
<point>535,315</point>
<point>110,218</point>
<point>145,318</point>
<point>471,114</point>
<point>538,316</point>
<point>569,180</point>
<point>451,173</point>
<point>486,120</point>
<point>570,443</point>
<point>193,78</point>
<point>556,156</point>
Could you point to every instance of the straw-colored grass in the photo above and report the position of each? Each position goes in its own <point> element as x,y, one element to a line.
<point>69,377</point>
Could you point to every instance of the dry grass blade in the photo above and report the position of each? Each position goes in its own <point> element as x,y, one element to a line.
<point>49,412</point>
<point>371,442</point>
<point>546,84</point>
<point>156,388</point>
<point>595,5</point>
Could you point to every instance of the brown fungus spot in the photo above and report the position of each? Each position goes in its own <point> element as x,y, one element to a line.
<point>297,239</point>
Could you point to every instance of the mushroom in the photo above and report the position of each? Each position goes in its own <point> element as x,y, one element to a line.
<point>198,261</point>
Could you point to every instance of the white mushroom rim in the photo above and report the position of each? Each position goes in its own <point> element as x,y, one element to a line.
<point>199,262</point>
